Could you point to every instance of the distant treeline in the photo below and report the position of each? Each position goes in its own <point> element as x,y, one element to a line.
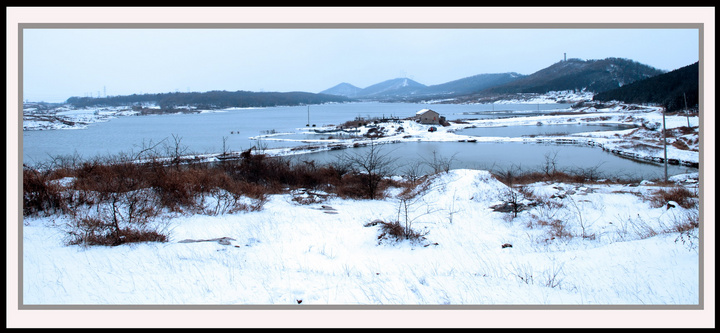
<point>211,99</point>
<point>671,90</point>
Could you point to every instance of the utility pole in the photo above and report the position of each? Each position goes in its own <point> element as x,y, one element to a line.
<point>687,112</point>
<point>665,144</point>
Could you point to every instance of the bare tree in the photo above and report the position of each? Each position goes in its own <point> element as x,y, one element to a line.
<point>224,146</point>
<point>373,165</point>
<point>550,166</point>
<point>513,199</point>
<point>176,150</point>
<point>68,162</point>
<point>592,173</point>
<point>440,163</point>
<point>413,172</point>
<point>508,175</point>
<point>148,148</point>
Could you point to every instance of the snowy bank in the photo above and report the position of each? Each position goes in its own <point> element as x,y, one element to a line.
<point>572,245</point>
<point>642,141</point>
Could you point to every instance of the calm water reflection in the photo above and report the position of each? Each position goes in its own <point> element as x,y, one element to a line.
<point>512,156</point>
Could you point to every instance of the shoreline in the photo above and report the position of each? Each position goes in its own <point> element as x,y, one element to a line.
<point>615,142</point>
<point>637,143</point>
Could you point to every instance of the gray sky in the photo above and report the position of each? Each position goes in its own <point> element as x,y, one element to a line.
<point>61,63</point>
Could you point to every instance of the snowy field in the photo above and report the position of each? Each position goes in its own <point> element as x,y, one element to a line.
<point>577,246</point>
<point>326,253</point>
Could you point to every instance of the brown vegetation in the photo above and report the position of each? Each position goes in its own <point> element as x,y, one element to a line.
<point>682,196</point>
<point>112,201</point>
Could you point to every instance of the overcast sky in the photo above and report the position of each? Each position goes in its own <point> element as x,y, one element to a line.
<point>61,63</point>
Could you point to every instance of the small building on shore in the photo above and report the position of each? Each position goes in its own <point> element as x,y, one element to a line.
<point>427,116</point>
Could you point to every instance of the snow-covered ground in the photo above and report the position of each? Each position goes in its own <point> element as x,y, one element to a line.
<point>587,246</point>
<point>563,96</point>
<point>644,142</point>
<point>68,118</point>
<point>328,253</point>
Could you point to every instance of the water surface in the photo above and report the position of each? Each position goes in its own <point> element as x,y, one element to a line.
<point>233,130</point>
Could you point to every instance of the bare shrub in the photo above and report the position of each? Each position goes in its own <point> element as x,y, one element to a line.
<point>590,174</point>
<point>546,209</point>
<point>514,200</point>
<point>550,165</point>
<point>507,176</point>
<point>175,188</point>
<point>686,222</point>
<point>413,172</point>
<point>684,197</point>
<point>552,276</point>
<point>440,163</point>
<point>411,208</point>
<point>549,173</point>
<point>396,231</point>
<point>95,231</point>
<point>176,150</point>
<point>524,273</point>
<point>680,144</point>
<point>583,223</point>
<point>687,226</point>
<point>39,194</point>
<point>556,229</point>
<point>64,163</point>
<point>245,196</point>
<point>371,168</point>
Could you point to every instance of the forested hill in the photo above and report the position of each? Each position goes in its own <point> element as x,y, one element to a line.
<point>576,74</point>
<point>671,90</point>
<point>211,99</point>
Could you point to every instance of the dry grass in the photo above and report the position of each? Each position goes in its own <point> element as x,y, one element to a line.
<point>125,195</point>
<point>682,196</point>
<point>396,231</point>
<point>40,194</point>
<point>94,231</point>
<point>585,176</point>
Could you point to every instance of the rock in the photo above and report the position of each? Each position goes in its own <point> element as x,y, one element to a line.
<point>221,240</point>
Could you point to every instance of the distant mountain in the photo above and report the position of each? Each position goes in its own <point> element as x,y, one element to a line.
<point>407,89</point>
<point>576,74</point>
<point>470,84</point>
<point>594,76</point>
<point>343,89</point>
<point>671,90</point>
<point>394,88</point>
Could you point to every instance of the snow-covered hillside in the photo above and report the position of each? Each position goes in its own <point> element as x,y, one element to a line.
<point>577,245</point>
